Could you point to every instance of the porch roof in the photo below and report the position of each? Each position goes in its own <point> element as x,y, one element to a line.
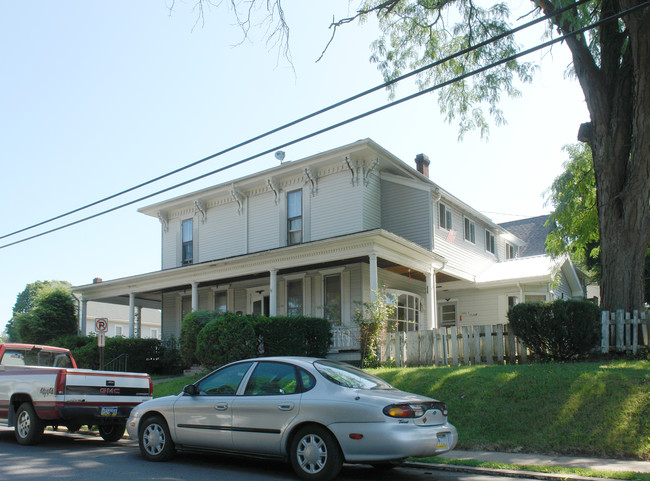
<point>148,288</point>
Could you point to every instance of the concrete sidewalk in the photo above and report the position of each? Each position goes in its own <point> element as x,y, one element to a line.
<point>544,460</point>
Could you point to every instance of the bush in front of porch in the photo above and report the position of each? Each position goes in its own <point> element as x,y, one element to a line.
<point>230,337</point>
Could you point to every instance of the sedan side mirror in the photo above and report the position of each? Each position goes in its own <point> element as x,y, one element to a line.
<point>190,390</point>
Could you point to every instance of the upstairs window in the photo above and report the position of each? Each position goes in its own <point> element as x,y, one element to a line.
<point>470,231</point>
<point>188,244</point>
<point>445,217</point>
<point>294,217</point>
<point>489,242</point>
<point>511,251</point>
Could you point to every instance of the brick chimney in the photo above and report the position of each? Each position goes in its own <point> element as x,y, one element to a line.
<point>97,280</point>
<point>422,164</point>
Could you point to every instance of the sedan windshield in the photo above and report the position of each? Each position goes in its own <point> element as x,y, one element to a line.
<point>348,376</point>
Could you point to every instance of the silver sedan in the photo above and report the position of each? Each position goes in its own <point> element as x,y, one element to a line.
<point>316,413</point>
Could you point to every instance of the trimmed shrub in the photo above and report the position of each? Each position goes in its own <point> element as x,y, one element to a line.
<point>293,336</point>
<point>190,329</point>
<point>145,355</point>
<point>225,339</point>
<point>559,330</point>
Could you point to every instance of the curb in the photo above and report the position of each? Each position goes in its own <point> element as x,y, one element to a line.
<point>499,472</point>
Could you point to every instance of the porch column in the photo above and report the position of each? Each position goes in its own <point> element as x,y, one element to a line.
<point>195,296</point>
<point>132,314</point>
<point>139,326</point>
<point>430,321</point>
<point>83,308</point>
<point>273,292</point>
<point>374,278</point>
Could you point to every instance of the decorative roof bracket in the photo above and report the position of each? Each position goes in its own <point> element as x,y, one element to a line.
<point>275,190</point>
<point>238,197</point>
<point>199,208</point>
<point>350,168</point>
<point>312,179</point>
<point>366,177</point>
<point>162,217</point>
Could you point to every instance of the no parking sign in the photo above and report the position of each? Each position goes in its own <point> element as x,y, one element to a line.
<point>101,324</point>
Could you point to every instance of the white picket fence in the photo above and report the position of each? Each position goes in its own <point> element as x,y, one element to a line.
<point>624,331</point>
<point>489,344</point>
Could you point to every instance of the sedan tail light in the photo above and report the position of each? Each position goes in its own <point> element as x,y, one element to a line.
<point>414,410</point>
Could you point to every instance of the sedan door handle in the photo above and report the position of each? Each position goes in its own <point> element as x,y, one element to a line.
<point>285,407</point>
<point>221,407</point>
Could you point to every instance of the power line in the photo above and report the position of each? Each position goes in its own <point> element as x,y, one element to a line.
<point>347,121</point>
<point>302,119</point>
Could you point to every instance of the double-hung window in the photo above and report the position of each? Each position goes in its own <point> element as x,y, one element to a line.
<point>188,243</point>
<point>444,217</point>
<point>470,231</point>
<point>511,251</point>
<point>294,217</point>
<point>489,242</point>
<point>294,297</point>
<point>332,287</point>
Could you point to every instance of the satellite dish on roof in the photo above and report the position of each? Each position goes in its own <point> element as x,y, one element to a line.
<point>279,155</point>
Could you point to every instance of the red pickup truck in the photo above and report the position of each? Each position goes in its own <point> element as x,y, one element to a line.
<point>41,386</point>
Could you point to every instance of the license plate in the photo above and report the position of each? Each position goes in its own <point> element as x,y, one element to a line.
<point>110,412</point>
<point>442,441</point>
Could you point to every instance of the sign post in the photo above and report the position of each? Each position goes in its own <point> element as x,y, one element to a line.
<point>101,326</point>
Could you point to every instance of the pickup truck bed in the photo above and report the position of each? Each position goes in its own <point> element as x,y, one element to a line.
<point>32,397</point>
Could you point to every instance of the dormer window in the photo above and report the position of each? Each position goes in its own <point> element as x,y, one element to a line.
<point>294,217</point>
<point>187,250</point>
<point>511,251</point>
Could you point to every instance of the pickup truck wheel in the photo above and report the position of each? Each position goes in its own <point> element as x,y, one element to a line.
<point>29,428</point>
<point>112,432</point>
<point>155,440</point>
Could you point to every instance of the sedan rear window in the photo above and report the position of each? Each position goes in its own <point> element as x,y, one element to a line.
<point>348,376</point>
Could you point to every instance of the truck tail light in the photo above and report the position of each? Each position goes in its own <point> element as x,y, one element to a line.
<point>60,381</point>
<point>150,387</point>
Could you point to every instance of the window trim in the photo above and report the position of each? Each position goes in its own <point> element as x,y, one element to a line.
<point>444,323</point>
<point>515,251</point>
<point>472,230</point>
<point>190,242</point>
<point>300,278</point>
<point>444,221</point>
<point>490,241</point>
<point>290,219</point>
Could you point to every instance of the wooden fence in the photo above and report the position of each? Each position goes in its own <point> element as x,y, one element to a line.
<point>487,344</point>
<point>624,332</point>
<point>454,345</point>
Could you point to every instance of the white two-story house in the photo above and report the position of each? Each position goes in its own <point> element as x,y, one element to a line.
<point>320,235</point>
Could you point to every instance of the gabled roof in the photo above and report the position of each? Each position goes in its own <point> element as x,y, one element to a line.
<point>533,232</point>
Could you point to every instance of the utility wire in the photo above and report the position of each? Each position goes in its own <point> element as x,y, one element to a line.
<point>347,121</point>
<point>302,119</point>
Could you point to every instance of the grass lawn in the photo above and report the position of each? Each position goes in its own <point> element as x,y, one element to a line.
<point>593,409</point>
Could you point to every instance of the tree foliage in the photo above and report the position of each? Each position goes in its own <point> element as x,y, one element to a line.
<point>611,62</point>
<point>43,310</point>
<point>373,319</point>
<point>575,217</point>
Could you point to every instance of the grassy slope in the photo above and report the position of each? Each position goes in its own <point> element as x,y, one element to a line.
<point>582,408</point>
<point>587,408</point>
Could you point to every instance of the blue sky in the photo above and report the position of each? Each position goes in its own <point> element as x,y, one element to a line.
<point>96,97</point>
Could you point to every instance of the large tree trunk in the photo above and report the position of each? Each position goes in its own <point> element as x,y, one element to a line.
<point>617,93</point>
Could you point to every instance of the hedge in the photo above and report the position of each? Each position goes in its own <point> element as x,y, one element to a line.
<point>558,330</point>
<point>233,337</point>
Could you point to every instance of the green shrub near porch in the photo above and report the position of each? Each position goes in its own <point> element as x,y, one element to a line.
<point>231,337</point>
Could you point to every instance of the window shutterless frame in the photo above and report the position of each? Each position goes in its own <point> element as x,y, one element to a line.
<point>294,217</point>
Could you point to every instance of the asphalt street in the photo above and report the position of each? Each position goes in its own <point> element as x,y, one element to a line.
<point>82,457</point>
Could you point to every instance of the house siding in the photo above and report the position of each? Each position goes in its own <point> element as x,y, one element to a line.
<point>263,222</point>
<point>336,209</point>
<point>405,212</point>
